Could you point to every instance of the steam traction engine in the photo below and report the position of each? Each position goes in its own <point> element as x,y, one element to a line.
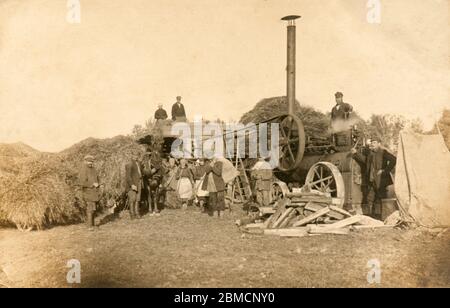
<point>322,165</point>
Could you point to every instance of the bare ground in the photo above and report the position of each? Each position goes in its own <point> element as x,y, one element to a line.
<point>189,249</point>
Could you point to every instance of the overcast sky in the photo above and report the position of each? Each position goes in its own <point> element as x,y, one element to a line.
<point>62,82</point>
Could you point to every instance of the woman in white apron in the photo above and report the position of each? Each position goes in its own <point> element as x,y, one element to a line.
<point>185,183</point>
<point>199,176</point>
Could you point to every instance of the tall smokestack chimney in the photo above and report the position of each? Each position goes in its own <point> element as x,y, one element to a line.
<point>290,69</point>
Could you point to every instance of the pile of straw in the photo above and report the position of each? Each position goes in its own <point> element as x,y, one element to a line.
<point>35,195</point>
<point>39,190</point>
<point>315,122</point>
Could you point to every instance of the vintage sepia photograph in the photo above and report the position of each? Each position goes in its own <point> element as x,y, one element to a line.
<point>217,148</point>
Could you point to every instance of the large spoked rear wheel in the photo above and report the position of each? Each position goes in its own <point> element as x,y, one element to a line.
<point>292,142</point>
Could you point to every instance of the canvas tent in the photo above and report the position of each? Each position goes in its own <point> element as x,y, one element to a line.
<point>422,179</point>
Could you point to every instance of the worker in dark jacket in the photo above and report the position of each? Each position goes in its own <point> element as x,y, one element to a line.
<point>340,126</point>
<point>362,159</point>
<point>160,113</point>
<point>215,186</point>
<point>89,181</point>
<point>133,185</point>
<point>378,166</point>
<point>178,112</point>
<point>341,111</point>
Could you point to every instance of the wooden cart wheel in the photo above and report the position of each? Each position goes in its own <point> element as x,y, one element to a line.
<point>326,178</point>
<point>278,191</point>
<point>292,142</point>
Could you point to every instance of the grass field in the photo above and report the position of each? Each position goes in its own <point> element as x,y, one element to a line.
<point>189,249</point>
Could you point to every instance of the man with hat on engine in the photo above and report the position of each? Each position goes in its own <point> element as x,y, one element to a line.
<point>341,111</point>
<point>178,112</point>
<point>340,126</point>
<point>89,182</point>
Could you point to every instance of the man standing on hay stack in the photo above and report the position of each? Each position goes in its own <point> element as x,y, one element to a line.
<point>178,112</point>
<point>89,182</point>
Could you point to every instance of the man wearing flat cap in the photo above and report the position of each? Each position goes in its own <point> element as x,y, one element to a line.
<point>133,185</point>
<point>178,112</point>
<point>89,182</point>
<point>378,164</point>
<point>341,111</point>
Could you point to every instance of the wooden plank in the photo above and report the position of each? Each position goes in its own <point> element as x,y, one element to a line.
<point>314,199</point>
<point>297,204</point>
<point>360,227</point>
<point>266,210</point>
<point>280,209</point>
<point>339,210</point>
<point>305,195</point>
<point>283,216</point>
<point>286,221</point>
<point>312,217</point>
<point>312,206</point>
<point>295,232</point>
<point>329,231</point>
<point>343,223</point>
<point>268,221</point>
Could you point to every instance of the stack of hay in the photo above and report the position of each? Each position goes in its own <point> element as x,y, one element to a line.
<point>33,192</point>
<point>38,190</point>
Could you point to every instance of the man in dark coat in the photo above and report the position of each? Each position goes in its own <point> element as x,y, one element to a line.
<point>377,173</point>
<point>178,112</point>
<point>362,159</point>
<point>160,113</point>
<point>89,181</point>
<point>215,185</point>
<point>340,127</point>
<point>341,111</point>
<point>133,185</point>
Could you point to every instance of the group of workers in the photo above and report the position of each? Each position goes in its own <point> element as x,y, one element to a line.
<point>376,164</point>
<point>375,161</point>
<point>149,177</point>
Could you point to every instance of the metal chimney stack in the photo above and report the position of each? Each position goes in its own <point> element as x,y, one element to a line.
<point>290,69</point>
